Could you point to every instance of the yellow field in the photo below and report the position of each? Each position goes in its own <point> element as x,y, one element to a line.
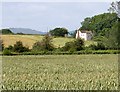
<point>29,40</point>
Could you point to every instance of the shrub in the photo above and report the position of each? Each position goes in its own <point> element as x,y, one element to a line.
<point>18,47</point>
<point>76,45</point>
<point>69,46</point>
<point>7,52</point>
<point>92,47</point>
<point>1,45</point>
<point>100,46</point>
<point>79,44</point>
<point>10,47</point>
<point>44,45</point>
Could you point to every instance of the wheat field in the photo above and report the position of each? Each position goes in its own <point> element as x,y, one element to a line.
<point>60,72</point>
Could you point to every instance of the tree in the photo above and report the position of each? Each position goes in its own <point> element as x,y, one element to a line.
<point>79,44</point>
<point>59,32</point>
<point>115,7</point>
<point>76,45</point>
<point>6,31</point>
<point>99,24</point>
<point>18,47</point>
<point>114,37</point>
<point>1,45</point>
<point>113,41</point>
<point>44,45</point>
<point>85,24</point>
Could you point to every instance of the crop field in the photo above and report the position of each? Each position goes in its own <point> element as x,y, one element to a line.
<point>29,40</point>
<point>60,72</point>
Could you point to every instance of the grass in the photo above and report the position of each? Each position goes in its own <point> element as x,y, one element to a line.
<point>71,72</point>
<point>29,40</point>
<point>60,41</point>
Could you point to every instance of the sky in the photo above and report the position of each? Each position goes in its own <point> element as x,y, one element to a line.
<point>44,16</point>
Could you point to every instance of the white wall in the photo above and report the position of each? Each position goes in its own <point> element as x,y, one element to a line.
<point>84,36</point>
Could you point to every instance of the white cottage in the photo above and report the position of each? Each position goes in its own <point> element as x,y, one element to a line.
<point>86,35</point>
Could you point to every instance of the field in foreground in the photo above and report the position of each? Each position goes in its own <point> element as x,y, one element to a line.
<point>83,72</point>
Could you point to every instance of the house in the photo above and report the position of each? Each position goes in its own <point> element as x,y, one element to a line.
<point>86,35</point>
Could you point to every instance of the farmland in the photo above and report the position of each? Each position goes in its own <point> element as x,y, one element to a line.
<point>29,40</point>
<point>83,72</point>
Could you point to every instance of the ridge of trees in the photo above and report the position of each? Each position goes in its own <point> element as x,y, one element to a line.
<point>100,24</point>
<point>6,31</point>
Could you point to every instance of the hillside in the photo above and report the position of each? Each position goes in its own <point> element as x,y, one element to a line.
<point>26,31</point>
<point>29,40</point>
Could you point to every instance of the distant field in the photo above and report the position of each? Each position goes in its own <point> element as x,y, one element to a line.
<point>29,40</point>
<point>82,72</point>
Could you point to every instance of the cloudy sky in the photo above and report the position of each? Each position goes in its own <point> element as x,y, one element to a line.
<point>43,16</point>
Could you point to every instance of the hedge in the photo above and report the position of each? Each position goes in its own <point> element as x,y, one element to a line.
<point>69,53</point>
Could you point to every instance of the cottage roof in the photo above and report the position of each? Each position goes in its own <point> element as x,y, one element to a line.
<point>85,31</point>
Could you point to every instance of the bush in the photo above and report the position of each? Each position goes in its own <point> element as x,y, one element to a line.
<point>10,47</point>
<point>18,47</point>
<point>76,45</point>
<point>69,46</point>
<point>99,46</point>
<point>44,45</point>
<point>7,52</point>
<point>92,47</point>
<point>79,44</point>
<point>1,45</point>
<point>69,52</point>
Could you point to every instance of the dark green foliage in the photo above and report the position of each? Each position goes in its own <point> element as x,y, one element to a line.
<point>20,33</point>
<point>99,46</point>
<point>1,45</point>
<point>37,46</point>
<point>10,47</point>
<point>100,24</point>
<point>71,53</point>
<point>6,31</point>
<point>105,28</point>
<point>44,45</point>
<point>76,45</point>
<point>18,47</point>
<point>118,35</point>
<point>79,44</point>
<point>69,46</point>
<point>7,52</point>
<point>86,24</point>
<point>59,32</point>
<point>113,39</point>
<point>93,47</point>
